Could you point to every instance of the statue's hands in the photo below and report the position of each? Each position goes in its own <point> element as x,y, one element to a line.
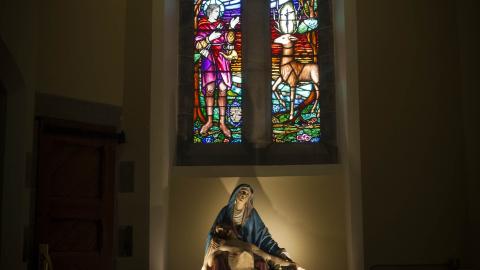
<point>214,35</point>
<point>284,255</point>
<point>284,266</point>
<point>291,267</point>
<point>234,21</point>
<point>273,265</point>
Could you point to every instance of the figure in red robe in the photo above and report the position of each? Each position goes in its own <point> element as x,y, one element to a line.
<point>214,40</point>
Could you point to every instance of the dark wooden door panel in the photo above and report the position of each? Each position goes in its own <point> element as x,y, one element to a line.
<point>78,261</point>
<point>75,194</point>
<point>74,235</point>
<point>86,182</point>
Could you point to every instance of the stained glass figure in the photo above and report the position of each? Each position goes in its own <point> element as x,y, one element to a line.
<point>295,71</point>
<point>217,116</point>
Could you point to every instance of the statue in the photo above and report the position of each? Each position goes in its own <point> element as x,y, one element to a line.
<point>239,239</point>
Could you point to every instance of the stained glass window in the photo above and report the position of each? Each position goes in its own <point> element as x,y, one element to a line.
<point>217,109</point>
<point>295,71</point>
<point>253,77</point>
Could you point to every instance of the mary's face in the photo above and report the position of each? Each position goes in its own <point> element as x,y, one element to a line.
<point>214,14</point>
<point>243,195</point>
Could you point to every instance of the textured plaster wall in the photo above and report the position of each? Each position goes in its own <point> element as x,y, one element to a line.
<point>413,163</point>
<point>469,37</point>
<point>81,45</point>
<point>132,208</point>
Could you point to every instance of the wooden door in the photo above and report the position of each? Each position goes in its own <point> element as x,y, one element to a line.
<point>75,199</point>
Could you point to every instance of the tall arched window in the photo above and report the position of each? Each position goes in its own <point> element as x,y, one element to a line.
<point>254,77</point>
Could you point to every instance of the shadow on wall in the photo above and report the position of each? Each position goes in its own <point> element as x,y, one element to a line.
<point>289,232</point>
<point>305,215</point>
<point>9,72</point>
<point>191,215</point>
<point>15,190</point>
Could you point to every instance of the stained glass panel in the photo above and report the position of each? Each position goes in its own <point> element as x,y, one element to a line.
<point>295,71</point>
<point>217,115</point>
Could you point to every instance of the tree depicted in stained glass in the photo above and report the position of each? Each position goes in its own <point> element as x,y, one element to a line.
<point>295,72</point>
<point>217,116</point>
